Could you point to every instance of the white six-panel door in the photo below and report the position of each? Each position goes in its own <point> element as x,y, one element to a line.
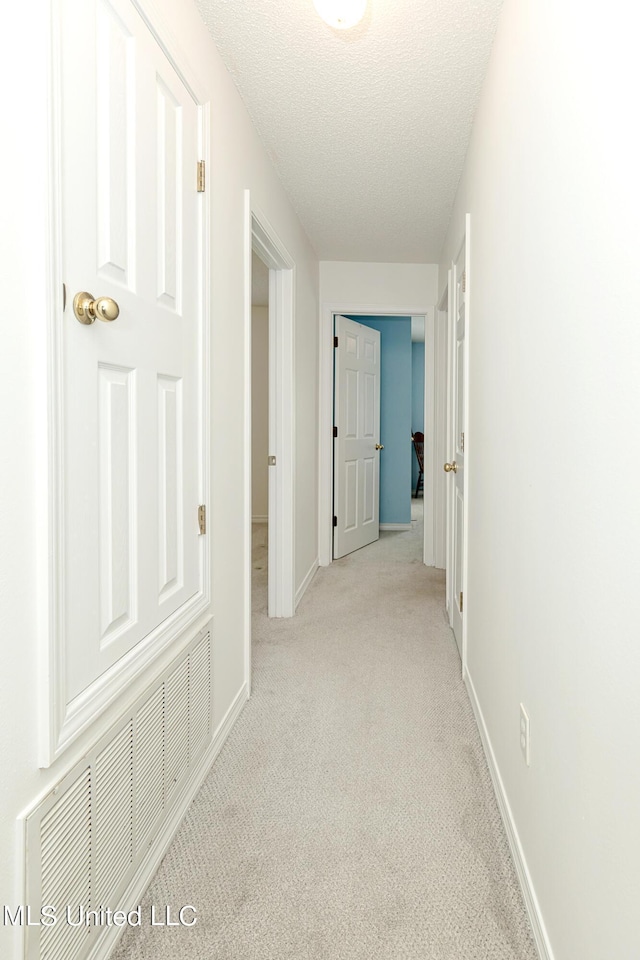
<point>131,409</point>
<point>356,459</point>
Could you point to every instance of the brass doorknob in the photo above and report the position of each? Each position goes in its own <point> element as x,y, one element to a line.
<point>379,446</point>
<point>451,467</point>
<point>87,309</point>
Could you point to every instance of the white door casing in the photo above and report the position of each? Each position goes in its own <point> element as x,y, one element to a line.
<point>458,389</point>
<point>131,419</point>
<point>356,459</point>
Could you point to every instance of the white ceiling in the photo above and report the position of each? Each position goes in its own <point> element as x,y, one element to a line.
<point>368,128</point>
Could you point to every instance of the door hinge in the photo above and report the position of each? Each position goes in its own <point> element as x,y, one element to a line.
<point>335,521</point>
<point>202,518</point>
<point>464,281</point>
<point>335,341</point>
<point>461,601</point>
<point>201,176</point>
<point>271,460</point>
<point>335,431</point>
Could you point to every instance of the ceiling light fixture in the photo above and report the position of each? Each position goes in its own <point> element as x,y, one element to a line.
<point>341,14</point>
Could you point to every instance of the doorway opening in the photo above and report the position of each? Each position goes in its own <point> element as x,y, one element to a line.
<point>399,461</point>
<point>259,429</point>
<point>262,241</point>
<point>401,412</point>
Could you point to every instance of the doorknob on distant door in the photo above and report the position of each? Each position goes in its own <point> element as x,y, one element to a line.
<point>87,309</point>
<point>451,467</point>
<point>379,446</point>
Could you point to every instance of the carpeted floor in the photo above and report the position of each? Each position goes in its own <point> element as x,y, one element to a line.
<point>350,815</point>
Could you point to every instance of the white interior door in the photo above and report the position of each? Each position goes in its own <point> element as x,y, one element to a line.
<point>357,445</point>
<point>455,466</point>
<point>131,414</point>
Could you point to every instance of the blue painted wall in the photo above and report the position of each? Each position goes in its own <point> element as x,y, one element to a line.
<point>395,416</point>
<point>417,399</point>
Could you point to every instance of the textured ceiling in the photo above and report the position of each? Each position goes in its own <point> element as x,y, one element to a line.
<point>368,128</point>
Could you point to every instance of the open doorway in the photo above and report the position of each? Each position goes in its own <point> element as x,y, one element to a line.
<point>396,417</point>
<point>435,415</point>
<point>377,473</point>
<point>262,241</point>
<point>259,431</point>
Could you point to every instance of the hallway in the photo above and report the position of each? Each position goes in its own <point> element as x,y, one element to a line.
<point>350,814</point>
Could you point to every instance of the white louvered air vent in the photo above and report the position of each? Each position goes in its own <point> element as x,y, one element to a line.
<point>149,784</point>
<point>113,811</point>
<point>177,726</point>
<point>89,836</point>
<point>199,697</point>
<point>65,837</point>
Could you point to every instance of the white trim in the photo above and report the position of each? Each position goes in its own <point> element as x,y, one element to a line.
<point>247,444</point>
<point>328,310</point>
<point>446,303</point>
<point>300,592</point>
<point>395,526</point>
<point>468,442</point>
<point>440,444</point>
<point>106,943</point>
<point>61,722</point>
<point>429,413</point>
<point>51,501</point>
<point>261,237</point>
<point>260,519</point>
<point>540,935</point>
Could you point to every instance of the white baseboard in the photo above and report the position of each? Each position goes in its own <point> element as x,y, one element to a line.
<point>106,944</point>
<point>536,920</point>
<point>395,526</point>
<point>260,519</point>
<point>300,592</point>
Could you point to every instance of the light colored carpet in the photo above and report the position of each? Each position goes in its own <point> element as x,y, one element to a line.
<point>350,815</point>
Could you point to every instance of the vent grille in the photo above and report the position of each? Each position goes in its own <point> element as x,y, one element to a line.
<point>65,836</point>
<point>113,778</point>
<point>88,837</point>
<point>149,767</point>
<point>199,697</point>
<point>176,726</point>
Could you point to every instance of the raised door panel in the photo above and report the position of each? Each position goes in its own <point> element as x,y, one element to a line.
<point>170,474</point>
<point>352,404</point>
<point>369,407</point>
<point>116,97</point>
<point>169,173</point>
<point>369,491</point>
<point>350,521</point>
<point>117,500</point>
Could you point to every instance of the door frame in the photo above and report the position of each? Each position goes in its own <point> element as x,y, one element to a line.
<point>261,237</point>
<point>328,311</point>
<point>449,299</point>
<point>60,724</point>
<point>445,311</point>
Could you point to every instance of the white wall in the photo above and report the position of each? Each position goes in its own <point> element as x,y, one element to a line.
<point>238,161</point>
<point>387,285</point>
<point>259,411</point>
<point>551,182</point>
